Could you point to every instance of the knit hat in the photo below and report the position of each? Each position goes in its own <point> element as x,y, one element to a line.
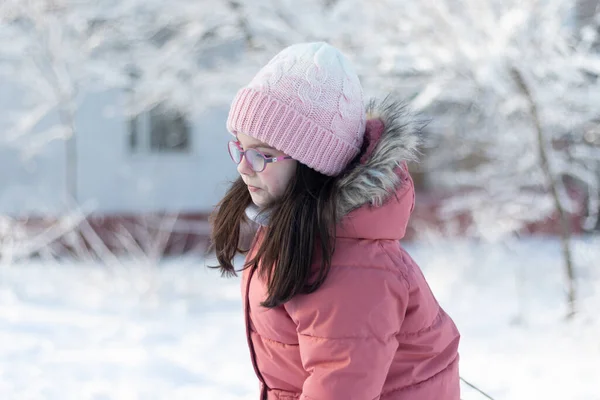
<point>306,102</point>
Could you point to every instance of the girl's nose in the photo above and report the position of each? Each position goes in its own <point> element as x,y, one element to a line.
<point>244,167</point>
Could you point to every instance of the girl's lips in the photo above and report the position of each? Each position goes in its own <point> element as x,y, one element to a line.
<point>253,188</point>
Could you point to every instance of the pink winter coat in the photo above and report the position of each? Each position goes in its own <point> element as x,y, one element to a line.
<point>373,330</point>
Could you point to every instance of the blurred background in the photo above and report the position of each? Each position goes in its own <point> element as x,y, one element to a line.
<point>113,154</point>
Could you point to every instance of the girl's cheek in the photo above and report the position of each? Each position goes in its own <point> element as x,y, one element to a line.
<point>276,185</point>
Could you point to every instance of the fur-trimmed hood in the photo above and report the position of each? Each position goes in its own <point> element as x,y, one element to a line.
<point>376,195</point>
<point>366,204</point>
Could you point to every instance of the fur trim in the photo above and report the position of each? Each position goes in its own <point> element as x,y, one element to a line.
<point>375,179</point>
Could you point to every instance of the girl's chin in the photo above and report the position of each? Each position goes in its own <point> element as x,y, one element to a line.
<point>258,200</point>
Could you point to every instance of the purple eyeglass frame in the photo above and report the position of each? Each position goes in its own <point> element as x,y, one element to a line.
<point>268,160</point>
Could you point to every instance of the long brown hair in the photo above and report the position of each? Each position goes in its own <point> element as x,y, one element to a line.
<point>301,225</point>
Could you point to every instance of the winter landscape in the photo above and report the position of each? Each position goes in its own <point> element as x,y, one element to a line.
<point>113,154</point>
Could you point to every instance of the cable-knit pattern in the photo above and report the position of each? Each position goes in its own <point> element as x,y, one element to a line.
<point>269,76</point>
<point>347,105</point>
<point>280,69</point>
<point>310,89</point>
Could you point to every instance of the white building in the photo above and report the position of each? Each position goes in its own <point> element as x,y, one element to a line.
<point>155,163</point>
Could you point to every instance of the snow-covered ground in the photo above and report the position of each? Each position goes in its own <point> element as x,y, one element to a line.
<point>86,331</point>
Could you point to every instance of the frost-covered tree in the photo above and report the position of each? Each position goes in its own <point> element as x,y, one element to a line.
<point>42,54</point>
<point>511,85</point>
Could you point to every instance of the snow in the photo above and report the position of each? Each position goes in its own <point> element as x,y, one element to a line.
<point>175,330</point>
<point>509,304</point>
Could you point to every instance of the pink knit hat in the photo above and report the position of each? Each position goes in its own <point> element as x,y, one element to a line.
<point>306,102</point>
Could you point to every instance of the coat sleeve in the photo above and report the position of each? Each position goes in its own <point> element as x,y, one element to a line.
<point>347,332</point>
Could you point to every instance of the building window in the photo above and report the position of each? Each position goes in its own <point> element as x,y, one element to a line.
<point>159,130</point>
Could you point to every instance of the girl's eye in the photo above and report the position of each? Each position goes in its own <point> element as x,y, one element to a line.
<point>268,156</point>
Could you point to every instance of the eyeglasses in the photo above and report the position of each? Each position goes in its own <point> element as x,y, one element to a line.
<point>257,160</point>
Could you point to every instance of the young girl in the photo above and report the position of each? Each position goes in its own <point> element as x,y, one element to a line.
<point>335,308</point>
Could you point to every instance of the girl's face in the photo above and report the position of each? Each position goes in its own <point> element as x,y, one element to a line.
<point>269,184</point>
